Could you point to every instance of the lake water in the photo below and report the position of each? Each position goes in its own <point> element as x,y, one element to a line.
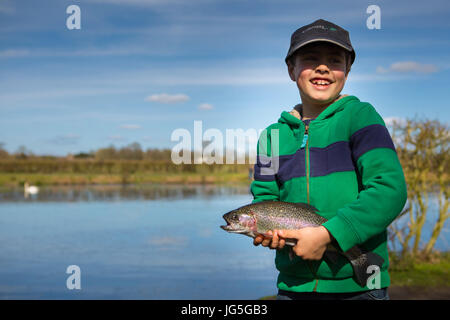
<point>130,242</point>
<point>156,242</point>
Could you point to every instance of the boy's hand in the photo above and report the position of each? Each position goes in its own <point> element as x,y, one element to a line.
<point>273,241</point>
<point>311,241</point>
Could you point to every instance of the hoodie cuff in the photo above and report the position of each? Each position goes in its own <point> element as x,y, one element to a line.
<point>296,114</point>
<point>342,230</point>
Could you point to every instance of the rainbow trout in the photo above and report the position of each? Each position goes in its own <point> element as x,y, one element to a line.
<point>258,218</point>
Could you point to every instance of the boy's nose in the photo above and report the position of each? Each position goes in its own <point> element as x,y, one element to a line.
<point>322,68</point>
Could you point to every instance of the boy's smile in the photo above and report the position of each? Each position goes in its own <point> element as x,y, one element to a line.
<point>320,71</point>
<point>321,83</point>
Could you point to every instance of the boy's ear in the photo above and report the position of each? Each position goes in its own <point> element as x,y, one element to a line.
<point>349,67</point>
<point>291,68</point>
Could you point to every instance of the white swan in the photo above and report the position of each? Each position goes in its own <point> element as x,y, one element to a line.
<point>30,189</point>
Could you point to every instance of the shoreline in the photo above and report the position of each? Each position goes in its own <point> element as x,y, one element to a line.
<point>14,180</point>
<point>417,279</point>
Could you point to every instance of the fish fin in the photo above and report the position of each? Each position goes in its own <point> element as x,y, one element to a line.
<point>291,254</point>
<point>265,235</point>
<point>306,206</point>
<point>290,242</point>
<point>361,261</point>
<point>332,256</point>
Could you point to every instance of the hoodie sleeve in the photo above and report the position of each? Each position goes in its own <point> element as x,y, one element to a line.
<point>382,193</point>
<point>265,186</point>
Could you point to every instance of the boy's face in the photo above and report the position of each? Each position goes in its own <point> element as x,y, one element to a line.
<point>320,71</point>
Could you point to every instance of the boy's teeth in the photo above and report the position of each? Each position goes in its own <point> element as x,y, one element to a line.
<point>321,82</point>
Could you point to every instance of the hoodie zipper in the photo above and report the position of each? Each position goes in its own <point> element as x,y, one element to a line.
<point>307,163</point>
<point>307,198</point>
<point>307,170</point>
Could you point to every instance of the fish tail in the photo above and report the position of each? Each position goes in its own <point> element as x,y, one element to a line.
<point>291,253</point>
<point>361,261</point>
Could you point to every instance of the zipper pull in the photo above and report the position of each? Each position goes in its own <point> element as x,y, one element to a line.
<point>305,137</point>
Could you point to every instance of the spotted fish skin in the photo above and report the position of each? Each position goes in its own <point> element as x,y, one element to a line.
<point>285,215</point>
<point>261,217</point>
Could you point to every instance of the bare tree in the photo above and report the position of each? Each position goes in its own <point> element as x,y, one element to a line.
<point>423,150</point>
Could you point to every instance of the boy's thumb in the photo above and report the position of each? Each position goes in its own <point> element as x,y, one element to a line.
<point>285,233</point>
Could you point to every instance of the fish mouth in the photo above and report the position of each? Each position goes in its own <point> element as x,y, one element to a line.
<point>232,229</point>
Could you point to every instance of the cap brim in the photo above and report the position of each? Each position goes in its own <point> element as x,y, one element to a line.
<point>291,52</point>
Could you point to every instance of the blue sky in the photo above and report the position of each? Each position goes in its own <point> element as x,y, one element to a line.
<point>137,70</point>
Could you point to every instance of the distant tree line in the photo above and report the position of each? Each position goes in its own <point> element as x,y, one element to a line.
<point>130,159</point>
<point>132,151</point>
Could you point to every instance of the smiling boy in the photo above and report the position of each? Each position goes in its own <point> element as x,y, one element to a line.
<point>335,154</point>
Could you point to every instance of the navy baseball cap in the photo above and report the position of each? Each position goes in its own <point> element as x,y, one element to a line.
<point>320,30</point>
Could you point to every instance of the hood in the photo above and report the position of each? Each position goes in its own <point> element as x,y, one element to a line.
<point>293,121</point>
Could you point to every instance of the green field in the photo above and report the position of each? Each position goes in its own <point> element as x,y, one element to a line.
<point>40,172</point>
<point>417,279</point>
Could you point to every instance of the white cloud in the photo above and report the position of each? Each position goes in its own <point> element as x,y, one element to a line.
<point>87,52</point>
<point>205,106</point>
<point>233,74</point>
<point>378,77</point>
<point>139,2</point>
<point>116,138</point>
<point>168,242</point>
<point>6,7</point>
<point>130,126</point>
<point>408,66</point>
<point>118,82</point>
<point>14,53</point>
<point>167,98</point>
<point>67,139</point>
<point>389,121</point>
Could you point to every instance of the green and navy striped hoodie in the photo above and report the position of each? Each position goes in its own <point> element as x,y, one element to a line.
<point>349,170</point>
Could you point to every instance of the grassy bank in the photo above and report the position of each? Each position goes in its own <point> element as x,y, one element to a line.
<point>417,278</point>
<point>434,271</point>
<point>17,179</point>
<point>37,171</point>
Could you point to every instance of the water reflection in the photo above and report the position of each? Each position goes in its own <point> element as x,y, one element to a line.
<point>156,247</point>
<point>121,192</point>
